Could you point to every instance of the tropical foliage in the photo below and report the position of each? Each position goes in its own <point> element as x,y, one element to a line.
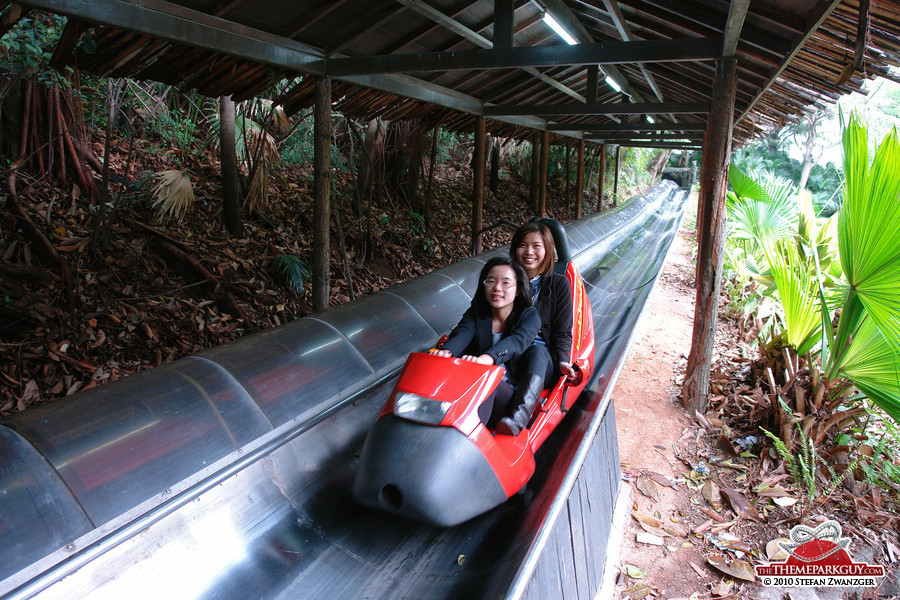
<point>828,290</point>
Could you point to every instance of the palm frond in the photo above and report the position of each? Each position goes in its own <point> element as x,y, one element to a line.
<point>745,186</point>
<point>873,365</point>
<point>868,226</point>
<point>798,289</point>
<point>290,270</point>
<point>173,194</point>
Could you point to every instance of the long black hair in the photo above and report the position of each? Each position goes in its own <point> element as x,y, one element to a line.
<point>523,287</point>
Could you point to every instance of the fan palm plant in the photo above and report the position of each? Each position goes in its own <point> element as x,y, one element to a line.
<point>866,345</point>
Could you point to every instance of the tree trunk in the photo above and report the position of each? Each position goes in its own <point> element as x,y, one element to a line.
<point>601,178</point>
<point>615,197</point>
<point>542,175</point>
<point>478,187</point>
<point>535,194</point>
<point>711,234</point>
<point>429,198</point>
<point>321,267</point>
<point>579,180</point>
<point>495,165</point>
<point>568,191</point>
<point>809,162</point>
<point>364,170</point>
<point>231,185</point>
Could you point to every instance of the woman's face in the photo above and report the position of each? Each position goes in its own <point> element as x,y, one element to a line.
<point>500,286</point>
<point>531,253</point>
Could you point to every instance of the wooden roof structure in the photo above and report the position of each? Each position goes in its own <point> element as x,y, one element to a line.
<point>451,61</point>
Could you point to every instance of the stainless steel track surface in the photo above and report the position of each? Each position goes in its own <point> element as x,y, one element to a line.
<point>263,509</point>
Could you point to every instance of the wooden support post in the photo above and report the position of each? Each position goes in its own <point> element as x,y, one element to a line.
<point>535,195</point>
<point>615,196</point>
<point>542,188</point>
<point>601,178</point>
<point>711,235</point>
<point>579,180</point>
<point>321,267</point>
<point>478,187</point>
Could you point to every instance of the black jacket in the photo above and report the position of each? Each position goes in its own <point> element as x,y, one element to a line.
<point>472,335</point>
<point>554,306</point>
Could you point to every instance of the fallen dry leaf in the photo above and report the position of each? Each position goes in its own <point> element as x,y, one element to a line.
<point>647,487</point>
<point>662,480</point>
<point>739,504</point>
<point>723,588</point>
<point>736,568</point>
<point>711,494</point>
<point>651,521</point>
<point>776,552</point>
<point>637,591</point>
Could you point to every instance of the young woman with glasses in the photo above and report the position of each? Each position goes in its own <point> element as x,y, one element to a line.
<point>498,327</point>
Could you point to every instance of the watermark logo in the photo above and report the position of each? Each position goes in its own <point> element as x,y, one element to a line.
<point>818,558</point>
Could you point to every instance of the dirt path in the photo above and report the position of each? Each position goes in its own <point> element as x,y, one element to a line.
<point>650,419</point>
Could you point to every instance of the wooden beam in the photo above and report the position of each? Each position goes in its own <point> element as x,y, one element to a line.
<point>737,12</point>
<point>623,137</point>
<point>615,12</point>
<point>321,267</point>
<point>610,127</point>
<point>655,51</point>
<point>168,21</point>
<point>593,76</point>
<point>614,108</point>
<point>478,187</point>
<point>479,40</point>
<point>503,23</point>
<point>568,19</point>
<point>660,145</point>
<point>711,235</point>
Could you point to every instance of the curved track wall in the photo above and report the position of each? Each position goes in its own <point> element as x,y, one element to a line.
<point>228,474</point>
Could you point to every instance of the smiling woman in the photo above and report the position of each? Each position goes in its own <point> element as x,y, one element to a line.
<point>499,326</point>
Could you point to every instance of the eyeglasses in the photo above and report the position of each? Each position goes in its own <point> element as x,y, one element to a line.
<point>504,283</point>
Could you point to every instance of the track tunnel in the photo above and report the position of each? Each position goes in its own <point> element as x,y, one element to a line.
<point>228,474</point>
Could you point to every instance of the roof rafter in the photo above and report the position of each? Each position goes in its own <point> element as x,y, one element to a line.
<point>613,108</point>
<point>522,57</point>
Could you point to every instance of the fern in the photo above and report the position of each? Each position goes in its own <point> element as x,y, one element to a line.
<point>290,270</point>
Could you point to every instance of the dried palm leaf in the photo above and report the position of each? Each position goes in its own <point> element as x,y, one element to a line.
<point>173,194</point>
<point>258,193</point>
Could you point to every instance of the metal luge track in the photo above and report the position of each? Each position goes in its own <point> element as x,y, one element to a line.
<point>228,474</point>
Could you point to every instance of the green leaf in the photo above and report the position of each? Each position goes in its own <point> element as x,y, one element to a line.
<point>291,270</point>
<point>873,365</point>
<point>745,186</point>
<point>868,224</point>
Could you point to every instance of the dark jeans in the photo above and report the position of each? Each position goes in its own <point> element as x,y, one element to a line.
<point>535,361</point>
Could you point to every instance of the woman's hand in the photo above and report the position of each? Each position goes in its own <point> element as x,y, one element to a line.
<point>438,352</point>
<point>484,359</point>
<point>567,370</point>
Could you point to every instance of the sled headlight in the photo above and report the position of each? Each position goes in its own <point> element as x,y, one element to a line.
<point>419,408</point>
